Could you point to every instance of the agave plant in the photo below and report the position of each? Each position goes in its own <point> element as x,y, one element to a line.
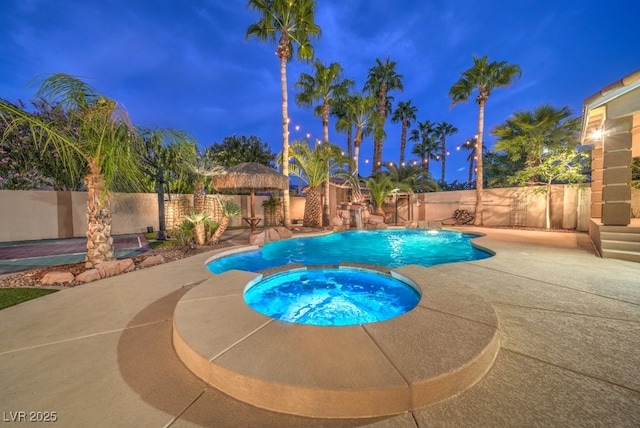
<point>229,210</point>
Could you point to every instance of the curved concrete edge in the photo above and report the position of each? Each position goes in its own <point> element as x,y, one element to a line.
<point>334,372</point>
<point>242,249</point>
<point>449,385</point>
<point>310,401</point>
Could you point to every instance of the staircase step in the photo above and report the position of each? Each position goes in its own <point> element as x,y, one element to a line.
<point>620,229</point>
<point>620,245</point>
<point>632,256</point>
<point>619,236</point>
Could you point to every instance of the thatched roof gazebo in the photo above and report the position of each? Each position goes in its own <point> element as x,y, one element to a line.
<point>252,176</point>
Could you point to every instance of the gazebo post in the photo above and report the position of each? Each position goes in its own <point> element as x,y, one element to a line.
<point>253,203</point>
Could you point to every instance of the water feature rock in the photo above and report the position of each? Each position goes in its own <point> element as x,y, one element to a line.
<point>376,219</point>
<point>270,234</point>
<point>57,278</point>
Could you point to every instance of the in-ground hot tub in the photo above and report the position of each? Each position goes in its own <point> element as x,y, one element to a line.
<point>331,297</point>
<point>441,347</point>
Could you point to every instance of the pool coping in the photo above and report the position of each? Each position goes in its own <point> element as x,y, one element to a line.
<point>442,347</point>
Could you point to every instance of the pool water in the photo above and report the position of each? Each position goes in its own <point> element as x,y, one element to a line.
<point>331,297</point>
<point>389,247</point>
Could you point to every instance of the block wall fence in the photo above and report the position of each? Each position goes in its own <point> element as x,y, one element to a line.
<point>32,215</point>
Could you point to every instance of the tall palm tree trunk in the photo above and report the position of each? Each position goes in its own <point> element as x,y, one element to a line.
<point>283,54</point>
<point>443,149</point>
<point>479,173</point>
<point>547,208</point>
<point>350,145</point>
<point>382,114</point>
<point>403,141</point>
<point>99,240</point>
<point>325,135</point>
<point>325,203</point>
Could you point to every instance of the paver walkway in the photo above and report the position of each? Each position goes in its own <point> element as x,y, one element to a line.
<point>101,354</point>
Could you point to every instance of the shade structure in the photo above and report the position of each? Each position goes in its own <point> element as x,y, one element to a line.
<point>251,176</point>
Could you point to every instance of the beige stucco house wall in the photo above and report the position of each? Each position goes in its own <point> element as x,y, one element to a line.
<point>611,126</point>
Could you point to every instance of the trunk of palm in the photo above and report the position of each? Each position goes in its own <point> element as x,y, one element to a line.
<point>162,224</point>
<point>479,173</point>
<point>222,227</point>
<point>285,134</point>
<point>325,204</point>
<point>200,233</point>
<point>198,196</point>
<point>99,240</point>
<point>403,141</point>
<point>357,141</point>
<point>325,134</point>
<point>350,145</point>
<point>382,114</point>
<point>313,209</point>
<point>325,121</point>
<point>443,149</point>
<point>547,210</point>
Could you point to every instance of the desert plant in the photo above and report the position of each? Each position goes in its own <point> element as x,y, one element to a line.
<point>183,234</point>
<point>210,227</point>
<point>229,210</point>
<point>271,208</point>
<point>198,219</point>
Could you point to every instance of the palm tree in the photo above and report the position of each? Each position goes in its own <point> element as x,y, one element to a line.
<point>292,22</point>
<point>472,146</point>
<point>412,177</point>
<point>326,84</point>
<point>229,210</point>
<point>379,187</point>
<point>313,166</point>
<point>381,80</point>
<point>98,138</point>
<point>426,145</point>
<point>442,131</point>
<point>198,219</point>
<point>344,122</point>
<point>361,111</point>
<point>484,77</point>
<point>528,134</point>
<point>405,113</point>
<point>202,168</point>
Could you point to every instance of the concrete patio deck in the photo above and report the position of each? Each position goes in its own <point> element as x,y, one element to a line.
<point>101,354</point>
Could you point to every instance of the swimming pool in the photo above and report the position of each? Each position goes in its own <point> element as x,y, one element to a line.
<point>388,247</point>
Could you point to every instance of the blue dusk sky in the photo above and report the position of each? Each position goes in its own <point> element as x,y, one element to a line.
<point>186,64</point>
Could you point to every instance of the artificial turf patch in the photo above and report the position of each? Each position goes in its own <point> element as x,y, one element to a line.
<point>13,296</point>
